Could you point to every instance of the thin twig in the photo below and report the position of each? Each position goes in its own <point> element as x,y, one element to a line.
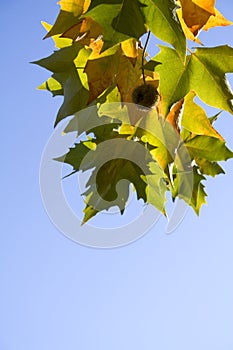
<point>143,56</point>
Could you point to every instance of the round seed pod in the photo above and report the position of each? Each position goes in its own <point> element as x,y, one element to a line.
<point>145,95</point>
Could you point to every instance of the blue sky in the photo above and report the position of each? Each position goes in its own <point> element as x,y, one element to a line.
<point>160,292</point>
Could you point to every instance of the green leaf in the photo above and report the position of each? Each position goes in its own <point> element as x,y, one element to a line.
<point>87,120</point>
<point>188,187</point>
<point>209,168</point>
<point>209,148</point>
<point>68,64</point>
<point>174,79</point>
<point>75,94</point>
<point>151,65</point>
<point>64,21</point>
<point>159,134</point>
<point>162,20</point>
<point>205,68</point>
<point>76,154</point>
<point>199,194</point>
<point>59,42</point>
<point>108,186</point>
<point>209,67</point>
<point>156,187</point>
<point>61,60</point>
<point>119,19</point>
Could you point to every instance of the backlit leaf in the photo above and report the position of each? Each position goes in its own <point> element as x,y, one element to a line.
<point>69,14</point>
<point>119,19</point>
<point>162,21</point>
<point>195,119</point>
<point>204,68</point>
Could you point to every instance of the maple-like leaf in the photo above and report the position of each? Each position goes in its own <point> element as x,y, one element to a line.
<point>209,168</point>
<point>70,77</point>
<point>161,19</point>
<point>195,119</point>
<point>196,13</point>
<point>59,42</point>
<point>84,31</point>
<point>109,186</point>
<point>156,187</point>
<point>76,154</point>
<point>115,168</point>
<point>101,71</point>
<point>203,146</point>
<point>52,85</point>
<point>217,20</point>
<point>99,68</point>
<point>120,20</point>
<point>69,14</point>
<point>198,192</point>
<point>205,67</point>
<point>187,185</point>
<point>160,135</point>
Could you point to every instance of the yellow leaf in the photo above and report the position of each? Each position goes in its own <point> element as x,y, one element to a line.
<point>195,119</point>
<point>129,48</point>
<point>96,45</point>
<point>207,5</point>
<point>217,20</point>
<point>186,30</point>
<point>128,78</point>
<point>194,16</point>
<point>83,31</point>
<point>59,42</point>
<point>77,7</point>
<point>101,73</point>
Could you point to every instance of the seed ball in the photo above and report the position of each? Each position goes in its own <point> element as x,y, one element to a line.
<point>145,95</point>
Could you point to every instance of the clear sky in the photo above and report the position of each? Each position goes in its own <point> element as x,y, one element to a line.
<point>163,292</point>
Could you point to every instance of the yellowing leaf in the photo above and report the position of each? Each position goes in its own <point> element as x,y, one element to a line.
<point>77,7</point>
<point>59,42</point>
<point>195,119</point>
<point>69,15</point>
<point>174,115</point>
<point>195,17</point>
<point>185,29</point>
<point>101,73</point>
<point>129,48</point>
<point>217,20</point>
<point>83,31</point>
<point>53,86</point>
<point>207,5</point>
<point>120,20</point>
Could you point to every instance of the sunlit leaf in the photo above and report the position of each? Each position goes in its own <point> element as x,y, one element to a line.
<point>203,146</point>
<point>69,14</point>
<point>217,20</point>
<point>209,168</point>
<point>195,119</point>
<point>119,19</point>
<point>204,72</point>
<point>161,19</point>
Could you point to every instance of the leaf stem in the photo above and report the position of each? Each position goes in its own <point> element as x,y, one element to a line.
<point>143,56</point>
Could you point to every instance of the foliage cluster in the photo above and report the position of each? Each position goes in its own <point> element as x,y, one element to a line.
<point>101,63</point>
